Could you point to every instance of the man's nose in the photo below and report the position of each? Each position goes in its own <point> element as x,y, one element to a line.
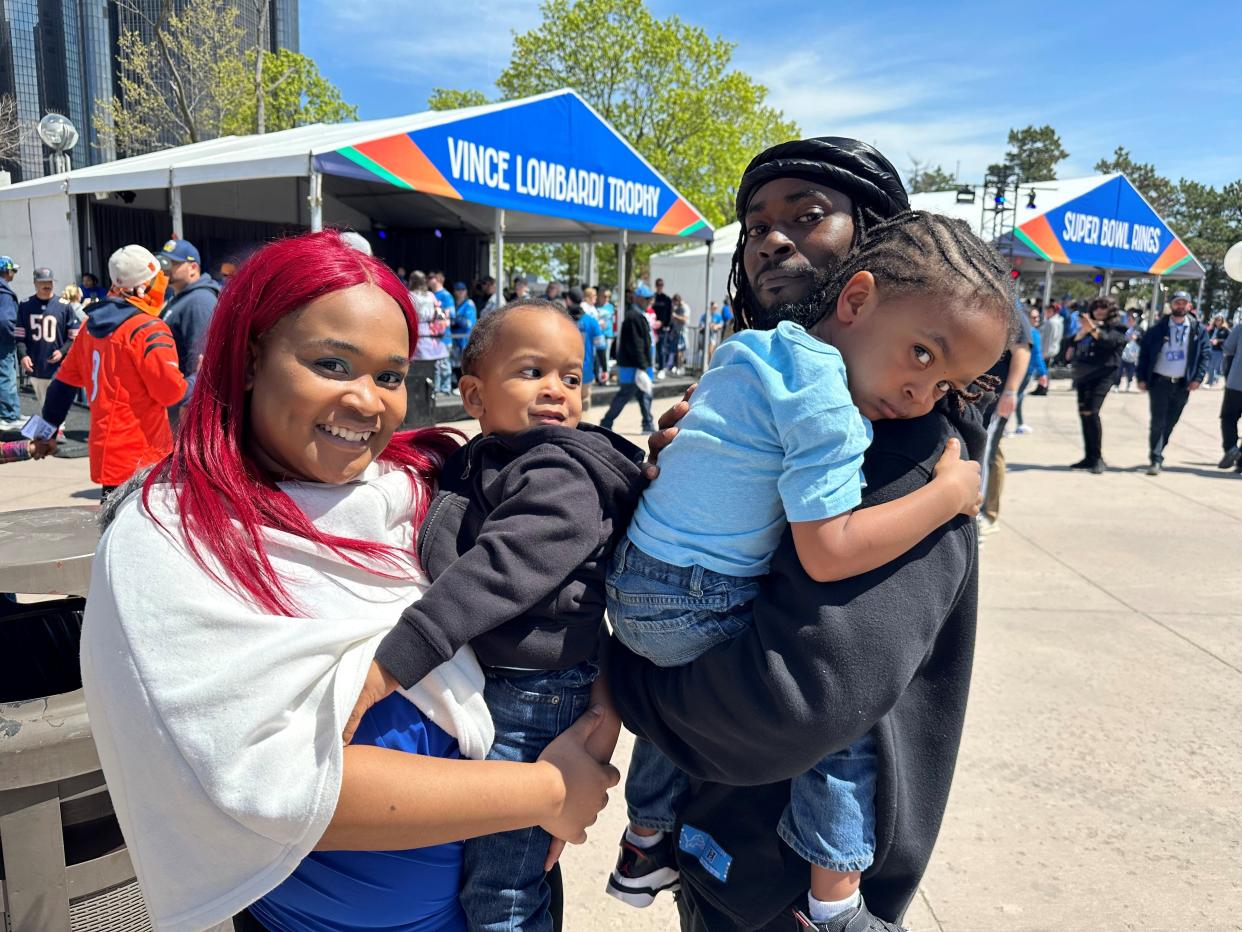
<point>775,243</point>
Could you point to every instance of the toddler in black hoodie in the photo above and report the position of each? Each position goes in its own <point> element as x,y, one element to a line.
<point>517,543</point>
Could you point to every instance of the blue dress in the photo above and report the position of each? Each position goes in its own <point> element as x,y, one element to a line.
<point>386,891</point>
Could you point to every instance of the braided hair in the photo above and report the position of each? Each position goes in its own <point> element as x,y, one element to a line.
<point>930,254</point>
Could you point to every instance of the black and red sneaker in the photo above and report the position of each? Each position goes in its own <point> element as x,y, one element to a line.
<point>641,873</point>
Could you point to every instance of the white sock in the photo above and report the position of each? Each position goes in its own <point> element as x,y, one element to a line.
<point>642,841</point>
<point>823,910</point>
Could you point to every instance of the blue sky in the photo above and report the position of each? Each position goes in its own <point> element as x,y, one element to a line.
<point>938,82</point>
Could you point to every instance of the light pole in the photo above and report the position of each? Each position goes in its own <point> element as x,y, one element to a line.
<point>59,135</point>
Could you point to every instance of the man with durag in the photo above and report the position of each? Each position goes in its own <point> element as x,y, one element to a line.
<point>888,652</point>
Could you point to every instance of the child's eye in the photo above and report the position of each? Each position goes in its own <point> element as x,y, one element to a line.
<point>532,372</point>
<point>573,381</point>
<point>923,355</point>
<point>390,379</point>
<point>943,387</point>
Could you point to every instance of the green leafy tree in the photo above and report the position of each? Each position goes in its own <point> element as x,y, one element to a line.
<point>171,76</point>
<point>1209,221</point>
<point>294,94</point>
<point>443,98</point>
<point>1160,192</point>
<point>1034,153</point>
<point>925,177</point>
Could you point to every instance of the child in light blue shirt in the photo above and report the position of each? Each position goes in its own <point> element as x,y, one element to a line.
<point>774,439</point>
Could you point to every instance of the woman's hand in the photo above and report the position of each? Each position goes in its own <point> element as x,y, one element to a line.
<point>379,685</point>
<point>582,782</point>
<point>668,430</point>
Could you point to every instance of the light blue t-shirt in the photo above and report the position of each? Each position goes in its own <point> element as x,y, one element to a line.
<point>772,435</point>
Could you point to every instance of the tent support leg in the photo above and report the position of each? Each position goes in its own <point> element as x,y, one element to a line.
<point>1048,273</point>
<point>498,233</point>
<point>1107,286</point>
<point>314,197</point>
<point>707,304</point>
<point>621,270</point>
<point>1199,300</point>
<point>174,207</point>
<point>590,263</point>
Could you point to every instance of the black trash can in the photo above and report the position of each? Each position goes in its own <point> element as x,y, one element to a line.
<point>420,392</point>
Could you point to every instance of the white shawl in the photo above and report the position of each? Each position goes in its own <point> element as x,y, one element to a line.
<point>219,725</point>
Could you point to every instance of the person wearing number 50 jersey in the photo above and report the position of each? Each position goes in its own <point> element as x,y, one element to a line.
<point>126,361</point>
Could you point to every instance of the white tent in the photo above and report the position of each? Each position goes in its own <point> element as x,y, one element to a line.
<point>542,168</point>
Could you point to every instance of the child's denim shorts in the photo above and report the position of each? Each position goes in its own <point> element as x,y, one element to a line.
<point>672,615</point>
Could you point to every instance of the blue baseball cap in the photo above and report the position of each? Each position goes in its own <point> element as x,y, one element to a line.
<point>180,250</point>
<point>8,265</point>
<point>460,286</point>
<point>642,291</point>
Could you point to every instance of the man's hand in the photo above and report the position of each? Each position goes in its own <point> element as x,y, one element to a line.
<point>1008,402</point>
<point>42,448</point>
<point>1142,386</point>
<point>56,356</point>
<point>1194,386</point>
<point>27,364</point>
<point>667,431</point>
<point>379,685</point>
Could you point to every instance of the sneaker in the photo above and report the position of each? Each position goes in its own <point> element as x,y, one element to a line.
<point>1097,468</point>
<point>1153,469</point>
<point>858,919</point>
<point>1081,464</point>
<point>16,424</point>
<point>987,526</point>
<point>661,375</point>
<point>641,873</point>
<point>1230,459</point>
<point>1024,429</point>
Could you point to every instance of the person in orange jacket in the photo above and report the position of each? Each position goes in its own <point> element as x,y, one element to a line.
<point>126,360</point>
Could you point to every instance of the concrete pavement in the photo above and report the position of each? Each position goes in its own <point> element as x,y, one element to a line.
<point>1100,778</point>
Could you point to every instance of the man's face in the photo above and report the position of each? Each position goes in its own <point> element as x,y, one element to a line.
<point>554,290</point>
<point>659,286</point>
<point>1180,307</point>
<point>43,290</point>
<point>794,230</point>
<point>459,295</point>
<point>181,274</point>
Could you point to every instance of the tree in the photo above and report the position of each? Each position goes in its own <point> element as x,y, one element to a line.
<point>11,130</point>
<point>665,85</point>
<point>925,178</point>
<point>446,99</point>
<point>171,80</point>
<point>1034,153</point>
<point>294,93</point>
<point>1160,192</point>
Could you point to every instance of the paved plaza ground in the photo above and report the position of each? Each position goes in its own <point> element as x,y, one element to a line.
<point>1100,779</point>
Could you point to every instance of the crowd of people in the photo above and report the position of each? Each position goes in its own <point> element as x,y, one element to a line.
<point>423,650</point>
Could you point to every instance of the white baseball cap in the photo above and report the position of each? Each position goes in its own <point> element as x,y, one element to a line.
<point>131,266</point>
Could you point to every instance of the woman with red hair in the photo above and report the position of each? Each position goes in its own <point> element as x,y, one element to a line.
<point>235,607</point>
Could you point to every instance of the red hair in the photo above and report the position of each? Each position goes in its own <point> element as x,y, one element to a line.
<point>225,498</point>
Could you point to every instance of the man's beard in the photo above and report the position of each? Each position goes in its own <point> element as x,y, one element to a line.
<point>806,312</point>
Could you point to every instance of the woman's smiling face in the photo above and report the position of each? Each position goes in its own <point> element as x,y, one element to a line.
<point>327,386</point>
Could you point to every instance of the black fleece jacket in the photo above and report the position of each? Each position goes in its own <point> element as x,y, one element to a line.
<point>889,651</point>
<point>517,543</point>
<point>634,346</point>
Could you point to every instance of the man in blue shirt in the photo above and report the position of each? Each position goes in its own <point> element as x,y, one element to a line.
<point>465,316</point>
<point>10,407</point>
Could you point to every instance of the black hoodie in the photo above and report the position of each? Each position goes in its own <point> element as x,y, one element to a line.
<point>517,544</point>
<point>889,652</point>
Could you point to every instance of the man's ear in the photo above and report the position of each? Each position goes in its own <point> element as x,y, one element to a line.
<point>855,297</point>
<point>471,388</point>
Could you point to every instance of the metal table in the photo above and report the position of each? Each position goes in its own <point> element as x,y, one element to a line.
<point>48,551</point>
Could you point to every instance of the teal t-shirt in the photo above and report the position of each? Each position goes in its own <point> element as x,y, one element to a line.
<point>772,436</point>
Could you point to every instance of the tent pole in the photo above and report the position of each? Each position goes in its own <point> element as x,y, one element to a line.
<point>621,270</point>
<point>174,206</point>
<point>1155,300</point>
<point>1107,286</point>
<point>499,235</point>
<point>707,303</point>
<point>314,197</point>
<point>1048,273</point>
<point>590,262</point>
<point>1199,300</point>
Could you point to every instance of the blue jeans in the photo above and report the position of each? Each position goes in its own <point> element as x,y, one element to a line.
<point>444,376</point>
<point>672,615</point>
<point>621,399</point>
<point>10,405</point>
<point>505,887</point>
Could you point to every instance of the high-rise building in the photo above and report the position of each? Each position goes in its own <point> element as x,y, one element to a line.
<point>60,56</point>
